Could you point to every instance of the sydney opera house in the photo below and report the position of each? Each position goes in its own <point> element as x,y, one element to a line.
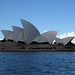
<point>30,38</point>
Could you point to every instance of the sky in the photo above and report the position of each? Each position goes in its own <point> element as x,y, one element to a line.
<point>45,15</point>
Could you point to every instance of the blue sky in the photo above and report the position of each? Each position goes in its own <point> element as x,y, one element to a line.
<point>49,15</point>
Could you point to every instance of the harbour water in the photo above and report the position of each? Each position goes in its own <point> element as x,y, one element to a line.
<point>37,63</point>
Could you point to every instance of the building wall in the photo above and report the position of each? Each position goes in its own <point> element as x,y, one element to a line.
<point>12,45</point>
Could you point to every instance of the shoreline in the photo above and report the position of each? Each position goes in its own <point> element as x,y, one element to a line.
<point>36,50</point>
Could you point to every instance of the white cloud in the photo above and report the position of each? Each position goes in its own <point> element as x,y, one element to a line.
<point>69,34</point>
<point>45,31</point>
<point>1,39</point>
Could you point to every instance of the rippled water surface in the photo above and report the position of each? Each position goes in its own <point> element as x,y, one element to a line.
<point>37,63</point>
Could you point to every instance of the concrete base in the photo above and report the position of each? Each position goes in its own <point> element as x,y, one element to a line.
<point>36,50</point>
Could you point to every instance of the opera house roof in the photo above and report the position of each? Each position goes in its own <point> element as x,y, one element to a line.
<point>8,34</point>
<point>64,41</point>
<point>18,34</point>
<point>29,33</point>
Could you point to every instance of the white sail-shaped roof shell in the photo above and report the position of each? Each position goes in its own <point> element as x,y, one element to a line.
<point>40,39</point>
<point>50,36</point>
<point>8,35</point>
<point>30,31</point>
<point>66,40</point>
<point>58,40</point>
<point>18,34</point>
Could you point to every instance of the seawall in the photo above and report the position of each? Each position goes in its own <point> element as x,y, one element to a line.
<point>36,50</point>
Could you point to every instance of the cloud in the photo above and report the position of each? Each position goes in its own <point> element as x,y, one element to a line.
<point>69,34</point>
<point>1,39</point>
<point>45,31</point>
